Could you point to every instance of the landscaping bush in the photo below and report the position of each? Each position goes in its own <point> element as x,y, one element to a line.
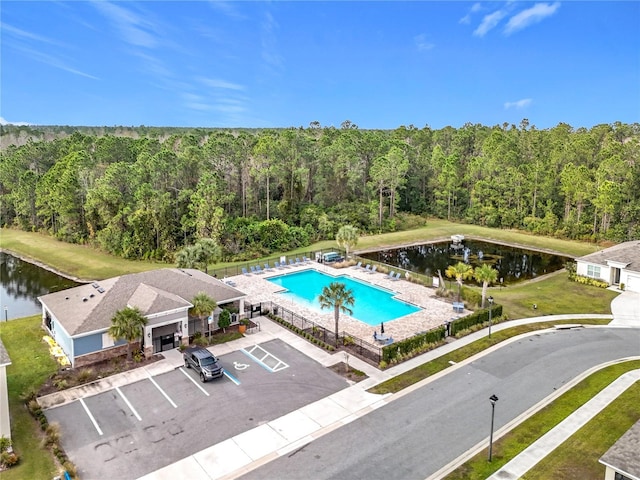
<point>398,351</point>
<point>479,317</point>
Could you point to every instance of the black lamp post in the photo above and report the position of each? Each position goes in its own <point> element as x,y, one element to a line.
<point>493,399</point>
<point>490,299</point>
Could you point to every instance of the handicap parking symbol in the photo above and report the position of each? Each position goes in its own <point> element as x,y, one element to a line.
<point>240,366</point>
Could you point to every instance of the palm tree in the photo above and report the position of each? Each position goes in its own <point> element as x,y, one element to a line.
<point>338,297</point>
<point>127,324</point>
<point>460,271</point>
<point>203,305</point>
<point>486,274</point>
<point>347,237</point>
<point>187,257</point>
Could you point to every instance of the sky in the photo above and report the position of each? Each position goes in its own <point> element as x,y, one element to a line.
<point>379,64</point>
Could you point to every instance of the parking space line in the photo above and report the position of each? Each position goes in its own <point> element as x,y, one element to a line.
<point>280,365</point>
<point>194,382</point>
<point>231,377</point>
<point>162,392</point>
<point>93,420</point>
<point>126,400</point>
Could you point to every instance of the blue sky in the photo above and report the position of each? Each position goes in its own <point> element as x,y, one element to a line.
<point>281,64</point>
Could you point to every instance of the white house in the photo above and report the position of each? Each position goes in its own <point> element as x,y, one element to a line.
<point>79,318</point>
<point>615,265</point>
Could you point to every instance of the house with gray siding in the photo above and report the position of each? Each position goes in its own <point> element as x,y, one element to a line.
<point>79,318</point>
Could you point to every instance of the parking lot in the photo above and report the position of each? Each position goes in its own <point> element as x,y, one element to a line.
<point>132,430</point>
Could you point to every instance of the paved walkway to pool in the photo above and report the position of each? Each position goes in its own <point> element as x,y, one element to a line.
<point>435,311</point>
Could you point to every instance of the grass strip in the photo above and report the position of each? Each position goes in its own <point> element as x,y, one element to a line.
<point>514,442</point>
<point>578,456</point>
<point>30,366</point>
<point>404,380</point>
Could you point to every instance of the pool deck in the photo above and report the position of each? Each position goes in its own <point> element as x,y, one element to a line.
<point>434,310</point>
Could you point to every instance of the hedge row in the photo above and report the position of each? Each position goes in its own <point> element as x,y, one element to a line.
<point>412,346</point>
<point>302,333</point>
<point>589,281</point>
<point>475,318</point>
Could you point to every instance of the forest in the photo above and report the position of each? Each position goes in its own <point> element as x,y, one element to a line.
<point>141,192</point>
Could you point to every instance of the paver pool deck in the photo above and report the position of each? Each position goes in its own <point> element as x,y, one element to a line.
<point>434,311</point>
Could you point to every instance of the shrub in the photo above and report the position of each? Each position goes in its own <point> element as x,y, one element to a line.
<point>5,443</point>
<point>417,344</point>
<point>9,459</point>
<point>51,435</point>
<point>622,285</point>
<point>475,318</point>
<point>70,468</point>
<point>86,375</point>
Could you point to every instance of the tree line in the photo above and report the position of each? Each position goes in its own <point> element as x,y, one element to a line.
<point>146,195</point>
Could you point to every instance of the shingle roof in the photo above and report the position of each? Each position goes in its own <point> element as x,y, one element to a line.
<point>626,253</point>
<point>623,455</point>
<point>86,309</point>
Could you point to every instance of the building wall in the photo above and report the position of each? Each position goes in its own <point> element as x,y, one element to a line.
<point>5,423</point>
<point>583,269</point>
<point>60,336</point>
<point>88,344</point>
<point>105,354</point>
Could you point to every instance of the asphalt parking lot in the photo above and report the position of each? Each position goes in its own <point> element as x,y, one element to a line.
<point>129,431</point>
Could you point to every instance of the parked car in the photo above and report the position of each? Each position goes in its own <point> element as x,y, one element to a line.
<point>203,361</point>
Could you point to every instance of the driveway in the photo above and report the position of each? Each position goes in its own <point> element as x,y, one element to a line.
<point>626,309</point>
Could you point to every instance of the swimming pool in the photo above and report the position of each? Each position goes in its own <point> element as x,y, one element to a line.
<point>372,304</point>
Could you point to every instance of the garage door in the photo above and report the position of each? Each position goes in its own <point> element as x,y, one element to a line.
<point>633,283</point>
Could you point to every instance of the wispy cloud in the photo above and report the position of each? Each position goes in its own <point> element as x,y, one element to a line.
<point>53,61</point>
<point>269,52</point>
<point>217,83</point>
<point>422,43</point>
<point>134,28</point>
<point>532,15</point>
<point>523,103</point>
<point>24,35</point>
<point>489,22</point>
<point>227,8</point>
<point>476,7</point>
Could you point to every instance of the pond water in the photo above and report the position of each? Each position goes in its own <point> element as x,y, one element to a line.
<point>513,264</point>
<point>21,283</point>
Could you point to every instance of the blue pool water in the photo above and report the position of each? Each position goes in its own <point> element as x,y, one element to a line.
<point>372,304</point>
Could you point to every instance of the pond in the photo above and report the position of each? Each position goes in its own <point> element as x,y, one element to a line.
<point>21,283</point>
<point>513,264</point>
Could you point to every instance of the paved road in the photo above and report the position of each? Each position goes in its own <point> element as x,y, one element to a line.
<point>414,436</point>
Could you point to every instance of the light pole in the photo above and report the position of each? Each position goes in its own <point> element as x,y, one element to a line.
<point>493,399</point>
<point>490,299</point>
<point>6,313</point>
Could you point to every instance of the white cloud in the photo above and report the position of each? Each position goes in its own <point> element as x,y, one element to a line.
<point>489,22</point>
<point>532,15</point>
<point>227,8</point>
<point>523,103</point>
<point>422,43</point>
<point>23,34</point>
<point>467,18</point>
<point>217,83</point>
<point>53,61</point>
<point>133,27</point>
<point>17,124</point>
<point>269,41</point>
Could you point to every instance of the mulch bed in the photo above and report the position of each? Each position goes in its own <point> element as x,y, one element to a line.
<point>351,374</point>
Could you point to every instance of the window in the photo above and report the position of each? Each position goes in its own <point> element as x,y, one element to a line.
<point>620,476</point>
<point>593,271</point>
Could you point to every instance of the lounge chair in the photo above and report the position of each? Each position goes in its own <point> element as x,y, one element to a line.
<point>259,270</point>
<point>358,266</point>
<point>306,259</point>
<point>267,267</point>
<point>244,271</point>
<point>367,268</point>
<point>373,269</point>
<point>231,283</point>
<point>391,275</point>
<point>291,264</point>
<point>253,269</point>
<point>397,276</point>
<point>298,262</point>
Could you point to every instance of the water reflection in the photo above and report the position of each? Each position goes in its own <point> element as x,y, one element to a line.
<point>513,264</point>
<point>22,282</point>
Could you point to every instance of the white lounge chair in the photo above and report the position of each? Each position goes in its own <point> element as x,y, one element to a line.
<point>358,266</point>
<point>373,270</point>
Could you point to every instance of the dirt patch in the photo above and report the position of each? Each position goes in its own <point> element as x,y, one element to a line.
<point>349,373</point>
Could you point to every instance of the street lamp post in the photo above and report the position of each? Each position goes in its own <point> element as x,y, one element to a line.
<point>493,399</point>
<point>6,313</point>
<point>490,299</point>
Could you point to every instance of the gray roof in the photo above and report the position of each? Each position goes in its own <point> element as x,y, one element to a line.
<point>4,355</point>
<point>91,307</point>
<point>623,455</point>
<point>627,253</point>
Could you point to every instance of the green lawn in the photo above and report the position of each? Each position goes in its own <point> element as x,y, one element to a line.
<point>592,441</point>
<point>30,366</point>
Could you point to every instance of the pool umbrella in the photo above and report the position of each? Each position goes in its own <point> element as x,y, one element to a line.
<point>381,327</point>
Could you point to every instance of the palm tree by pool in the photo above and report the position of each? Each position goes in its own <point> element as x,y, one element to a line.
<point>486,274</point>
<point>337,296</point>
<point>460,271</point>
